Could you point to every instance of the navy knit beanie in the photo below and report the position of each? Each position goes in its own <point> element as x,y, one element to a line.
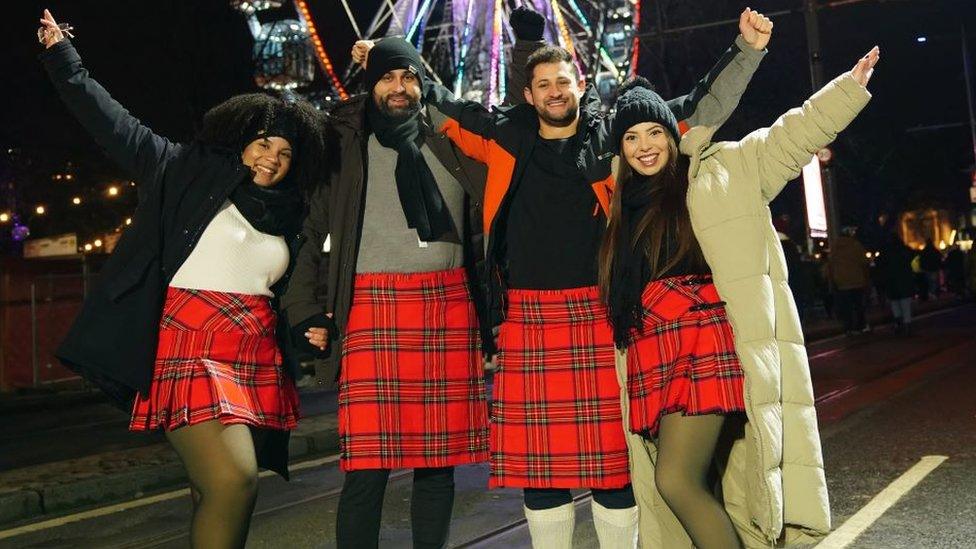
<point>391,54</point>
<point>638,102</point>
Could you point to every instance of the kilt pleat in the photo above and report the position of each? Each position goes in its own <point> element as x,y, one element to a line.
<point>217,358</point>
<point>683,357</point>
<point>556,419</point>
<point>411,384</point>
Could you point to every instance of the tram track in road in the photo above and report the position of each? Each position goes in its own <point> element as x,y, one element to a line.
<point>490,539</point>
<point>176,534</point>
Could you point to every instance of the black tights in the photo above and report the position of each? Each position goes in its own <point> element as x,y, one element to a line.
<point>221,464</point>
<point>361,508</point>
<point>686,445</point>
<point>538,499</point>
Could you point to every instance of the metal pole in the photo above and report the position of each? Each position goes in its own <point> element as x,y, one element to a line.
<point>967,69</point>
<point>817,81</point>
<point>35,366</point>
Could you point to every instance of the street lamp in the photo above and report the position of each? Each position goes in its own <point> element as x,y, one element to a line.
<point>76,201</point>
<point>40,210</point>
<point>113,191</point>
<point>4,217</point>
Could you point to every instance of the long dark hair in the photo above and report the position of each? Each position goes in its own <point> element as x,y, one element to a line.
<point>667,210</point>
<point>228,126</point>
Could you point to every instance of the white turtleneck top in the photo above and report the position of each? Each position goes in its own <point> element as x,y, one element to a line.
<point>232,256</point>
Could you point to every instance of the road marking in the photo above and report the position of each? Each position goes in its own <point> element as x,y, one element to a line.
<point>863,519</point>
<point>136,503</point>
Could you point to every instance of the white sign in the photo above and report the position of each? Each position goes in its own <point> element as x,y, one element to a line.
<point>813,192</point>
<point>66,244</point>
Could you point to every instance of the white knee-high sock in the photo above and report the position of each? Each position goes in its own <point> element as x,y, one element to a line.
<point>552,528</point>
<point>615,528</point>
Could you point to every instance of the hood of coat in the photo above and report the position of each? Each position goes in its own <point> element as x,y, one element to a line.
<point>695,144</point>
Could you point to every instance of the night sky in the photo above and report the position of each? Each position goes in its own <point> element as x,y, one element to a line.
<point>168,61</point>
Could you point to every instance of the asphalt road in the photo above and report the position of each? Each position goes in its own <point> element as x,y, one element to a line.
<point>885,405</point>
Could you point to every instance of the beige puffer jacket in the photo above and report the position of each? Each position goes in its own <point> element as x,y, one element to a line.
<point>773,484</point>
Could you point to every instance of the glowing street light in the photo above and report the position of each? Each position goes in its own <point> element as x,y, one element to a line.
<point>76,201</point>
<point>4,217</point>
<point>113,191</point>
<point>88,247</point>
<point>40,210</point>
<point>128,221</point>
<point>98,242</point>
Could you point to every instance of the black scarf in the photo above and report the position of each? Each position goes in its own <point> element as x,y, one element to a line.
<point>420,198</point>
<point>276,210</point>
<point>631,270</point>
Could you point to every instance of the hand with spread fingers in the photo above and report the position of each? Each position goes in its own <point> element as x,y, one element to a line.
<point>756,28</point>
<point>50,32</point>
<point>864,67</point>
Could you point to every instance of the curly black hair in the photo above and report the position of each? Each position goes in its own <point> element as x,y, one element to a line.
<point>229,125</point>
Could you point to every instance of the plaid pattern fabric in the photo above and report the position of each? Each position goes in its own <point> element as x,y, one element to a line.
<point>684,357</point>
<point>217,359</point>
<point>411,384</point>
<point>556,419</point>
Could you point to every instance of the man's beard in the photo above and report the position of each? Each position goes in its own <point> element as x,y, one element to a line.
<point>561,122</point>
<point>399,113</point>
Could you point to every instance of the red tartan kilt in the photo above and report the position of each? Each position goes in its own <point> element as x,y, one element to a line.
<point>411,384</point>
<point>217,358</point>
<point>556,415</point>
<point>683,359</point>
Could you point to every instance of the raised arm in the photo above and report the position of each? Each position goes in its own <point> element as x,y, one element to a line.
<point>717,94</point>
<point>528,26</point>
<point>125,140</point>
<point>778,153</point>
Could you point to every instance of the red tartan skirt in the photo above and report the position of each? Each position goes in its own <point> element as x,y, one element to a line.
<point>556,419</point>
<point>411,384</point>
<point>683,359</point>
<point>217,358</point>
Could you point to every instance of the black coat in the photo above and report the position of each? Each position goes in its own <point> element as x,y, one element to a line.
<point>181,188</point>
<point>895,269</point>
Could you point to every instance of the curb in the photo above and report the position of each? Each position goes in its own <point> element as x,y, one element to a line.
<point>47,498</point>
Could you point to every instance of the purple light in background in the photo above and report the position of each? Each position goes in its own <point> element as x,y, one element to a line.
<point>20,232</point>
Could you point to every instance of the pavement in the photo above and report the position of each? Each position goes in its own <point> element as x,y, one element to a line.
<point>51,470</point>
<point>56,487</point>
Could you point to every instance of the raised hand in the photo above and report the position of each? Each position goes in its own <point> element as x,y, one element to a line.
<point>360,51</point>
<point>756,28</point>
<point>50,32</point>
<point>864,67</point>
<point>527,24</point>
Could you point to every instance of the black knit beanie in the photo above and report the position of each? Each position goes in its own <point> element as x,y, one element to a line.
<point>638,102</point>
<point>277,121</point>
<point>391,54</point>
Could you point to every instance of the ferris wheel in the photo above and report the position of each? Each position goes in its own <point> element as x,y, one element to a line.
<point>466,44</point>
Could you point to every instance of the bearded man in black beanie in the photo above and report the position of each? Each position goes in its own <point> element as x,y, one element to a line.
<point>384,289</point>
